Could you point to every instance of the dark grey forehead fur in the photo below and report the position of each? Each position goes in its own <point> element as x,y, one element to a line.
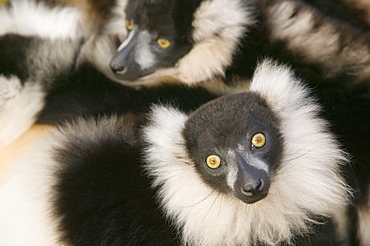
<point>172,17</point>
<point>228,124</point>
<point>229,118</point>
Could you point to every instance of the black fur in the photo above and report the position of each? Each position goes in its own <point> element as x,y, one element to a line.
<point>13,54</point>
<point>103,196</point>
<point>81,90</point>
<point>88,93</point>
<point>37,60</point>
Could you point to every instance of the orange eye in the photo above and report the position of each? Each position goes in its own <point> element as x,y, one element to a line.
<point>258,140</point>
<point>164,43</point>
<point>213,161</point>
<point>129,25</point>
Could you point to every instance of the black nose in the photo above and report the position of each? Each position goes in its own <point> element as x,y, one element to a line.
<point>117,68</point>
<point>252,187</point>
<point>252,184</point>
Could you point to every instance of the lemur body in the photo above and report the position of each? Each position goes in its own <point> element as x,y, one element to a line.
<point>242,169</point>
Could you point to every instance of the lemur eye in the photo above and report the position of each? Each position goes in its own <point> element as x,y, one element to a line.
<point>164,43</point>
<point>213,161</point>
<point>129,25</point>
<point>258,140</point>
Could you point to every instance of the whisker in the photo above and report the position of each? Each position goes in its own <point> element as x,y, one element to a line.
<point>213,203</point>
<point>202,200</point>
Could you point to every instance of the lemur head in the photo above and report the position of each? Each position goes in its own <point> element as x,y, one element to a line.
<point>158,36</point>
<point>187,40</point>
<point>236,147</point>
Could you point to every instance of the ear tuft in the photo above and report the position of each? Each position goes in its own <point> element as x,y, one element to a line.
<point>165,129</point>
<point>279,86</point>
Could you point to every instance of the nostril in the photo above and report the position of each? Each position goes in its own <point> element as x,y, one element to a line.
<point>252,188</point>
<point>117,68</point>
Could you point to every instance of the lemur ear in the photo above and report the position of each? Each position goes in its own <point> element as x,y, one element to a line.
<point>279,86</point>
<point>167,117</point>
<point>164,132</point>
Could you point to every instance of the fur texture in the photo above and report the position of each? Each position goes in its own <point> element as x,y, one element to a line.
<point>84,182</point>
<point>307,182</point>
<point>36,18</point>
<point>217,33</point>
<point>25,206</point>
<point>28,71</point>
<point>364,221</point>
<point>308,34</point>
<point>18,108</point>
<point>340,78</point>
<point>214,31</point>
<point>233,41</point>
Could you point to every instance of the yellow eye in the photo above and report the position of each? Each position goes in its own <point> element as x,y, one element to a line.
<point>213,161</point>
<point>129,25</point>
<point>164,43</point>
<point>258,140</point>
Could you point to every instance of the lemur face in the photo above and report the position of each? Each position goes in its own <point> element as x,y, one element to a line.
<point>156,39</point>
<point>232,155</point>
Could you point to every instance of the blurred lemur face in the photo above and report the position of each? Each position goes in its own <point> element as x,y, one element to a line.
<point>156,39</point>
<point>233,155</point>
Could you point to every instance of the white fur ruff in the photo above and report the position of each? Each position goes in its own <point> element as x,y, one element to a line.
<point>218,28</point>
<point>19,106</point>
<point>26,17</point>
<point>307,182</point>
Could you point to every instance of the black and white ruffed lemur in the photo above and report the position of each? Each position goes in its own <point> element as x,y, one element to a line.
<point>252,168</point>
<point>327,43</point>
<point>62,70</point>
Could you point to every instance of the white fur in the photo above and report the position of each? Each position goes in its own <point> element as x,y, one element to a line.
<point>24,198</point>
<point>117,24</point>
<point>127,40</point>
<point>143,55</point>
<point>218,27</point>
<point>26,17</point>
<point>19,106</point>
<point>307,181</point>
<point>364,221</point>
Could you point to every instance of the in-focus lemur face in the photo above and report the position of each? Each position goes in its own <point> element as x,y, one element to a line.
<point>235,149</point>
<point>153,40</point>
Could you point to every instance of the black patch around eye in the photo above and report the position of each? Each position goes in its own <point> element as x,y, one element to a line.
<point>215,178</point>
<point>169,56</point>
